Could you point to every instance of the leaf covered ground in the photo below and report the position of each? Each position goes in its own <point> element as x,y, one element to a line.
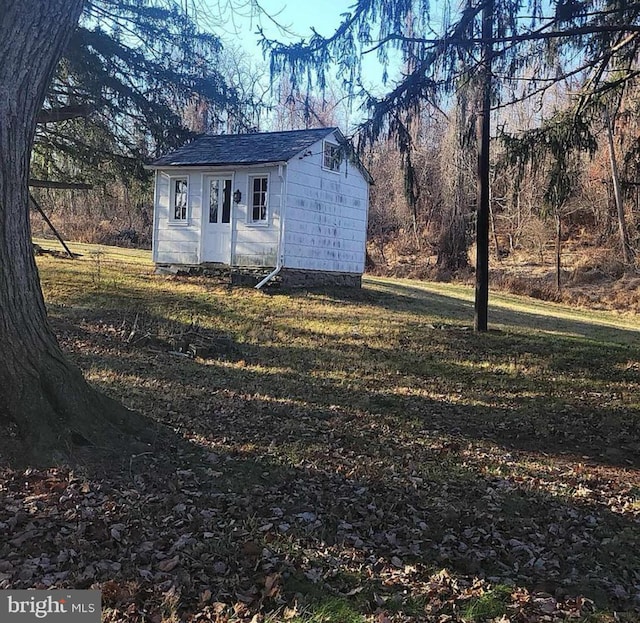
<point>340,456</point>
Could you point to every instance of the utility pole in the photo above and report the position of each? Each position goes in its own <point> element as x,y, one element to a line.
<point>482,220</point>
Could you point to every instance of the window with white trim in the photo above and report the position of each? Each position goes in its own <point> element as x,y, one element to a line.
<point>258,193</point>
<point>332,156</point>
<point>179,199</point>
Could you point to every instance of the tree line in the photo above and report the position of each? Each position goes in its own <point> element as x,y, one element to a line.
<point>555,175</point>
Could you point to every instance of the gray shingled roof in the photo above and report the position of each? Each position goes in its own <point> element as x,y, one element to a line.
<point>238,149</point>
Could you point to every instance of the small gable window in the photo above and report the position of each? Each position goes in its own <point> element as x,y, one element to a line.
<point>258,187</point>
<point>331,157</point>
<point>179,199</point>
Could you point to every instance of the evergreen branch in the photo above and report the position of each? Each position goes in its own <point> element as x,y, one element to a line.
<point>525,37</point>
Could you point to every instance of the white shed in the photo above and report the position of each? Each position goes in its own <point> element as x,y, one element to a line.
<point>293,203</point>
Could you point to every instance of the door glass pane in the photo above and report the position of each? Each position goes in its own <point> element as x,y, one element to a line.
<point>214,199</point>
<point>180,200</point>
<point>226,202</point>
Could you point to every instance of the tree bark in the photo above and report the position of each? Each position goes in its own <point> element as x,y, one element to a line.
<point>43,397</point>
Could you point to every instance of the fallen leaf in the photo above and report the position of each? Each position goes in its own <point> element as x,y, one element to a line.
<point>169,564</point>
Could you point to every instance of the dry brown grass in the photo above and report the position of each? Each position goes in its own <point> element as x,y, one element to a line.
<point>593,277</point>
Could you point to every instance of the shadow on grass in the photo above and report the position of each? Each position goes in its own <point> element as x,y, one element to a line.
<point>350,458</point>
<point>422,301</point>
<point>319,486</point>
<point>534,392</point>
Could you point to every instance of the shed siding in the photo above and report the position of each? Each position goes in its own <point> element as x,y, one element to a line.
<point>256,244</point>
<point>177,243</point>
<point>326,215</point>
<point>251,244</point>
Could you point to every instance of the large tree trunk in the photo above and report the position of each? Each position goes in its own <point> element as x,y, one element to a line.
<point>453,245</point>
<point>43,398</point>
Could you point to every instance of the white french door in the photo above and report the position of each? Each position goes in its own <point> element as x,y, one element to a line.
<point>216,219</point>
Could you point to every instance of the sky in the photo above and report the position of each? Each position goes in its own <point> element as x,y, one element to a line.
<point>301,15</point>
<point>297,17</point>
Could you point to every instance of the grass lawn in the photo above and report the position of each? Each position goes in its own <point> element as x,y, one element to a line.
<point>339,456</point>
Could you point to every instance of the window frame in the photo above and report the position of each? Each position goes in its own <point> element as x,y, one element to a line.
<point>337,160</point>
<point>173,180</point>
<point>250,205</point>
